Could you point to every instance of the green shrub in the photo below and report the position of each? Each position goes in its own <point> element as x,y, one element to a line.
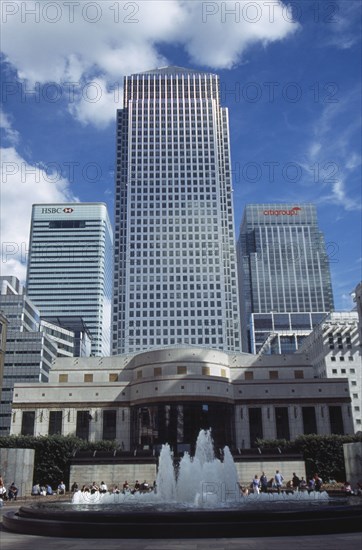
<point>53,454</point>
<point>323,454</point>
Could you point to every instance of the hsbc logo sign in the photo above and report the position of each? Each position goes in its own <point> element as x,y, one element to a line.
<point>53,210</point>
<point>293,212</point>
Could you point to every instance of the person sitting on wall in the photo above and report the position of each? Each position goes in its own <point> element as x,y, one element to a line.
<point>3,495</point>
<point>94,488</point>
<point>49,490</point>
<point>311,483</point>
<point>43,491</point>
<point>115,490</point>
<point>126,488</point>
<point>145,487</point>
<point>35,490</point>
<point>61,488</point>
<point>347,488</point>
<point>317,482</point>
<point>13,491</point>
<point>137,486</point>
<point>302,484</point>
<point>103,487</point>
<point>74,487</point>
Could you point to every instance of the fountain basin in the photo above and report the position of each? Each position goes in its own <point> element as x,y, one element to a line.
<point>152,521</point>
<point>201,500</point>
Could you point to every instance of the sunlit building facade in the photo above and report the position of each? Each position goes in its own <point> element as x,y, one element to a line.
<point>70,266</point>
<point>283,264</point>
<point>175,279</point>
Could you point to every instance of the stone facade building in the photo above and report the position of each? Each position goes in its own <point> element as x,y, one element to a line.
<point>167,395</point>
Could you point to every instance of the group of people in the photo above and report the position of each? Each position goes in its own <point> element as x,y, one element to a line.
<point>8,494</point>
<point>102,488</point>
<point>263,485</point>
<point>44,490</point>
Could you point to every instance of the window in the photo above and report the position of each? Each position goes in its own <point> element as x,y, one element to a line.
<point>249,375</point>
<point>206,371</point>
<point>82,428</point>
<point>255,425</point>
<point>298,374</point>
<point>333,358</point>
<point>223,373</point>
<point>27,423</point>
<point>55,422</point>
<point>109,424</point>
<point>113,377</point>
<point>181,370</point>
<point>336,420</point>
<point>88,378</point>
<point>309,420</point>
<point>63,378</point>
<point>273,375</point>
<point>157,371</point>
<point>139,374</point>
<point>282,423</point>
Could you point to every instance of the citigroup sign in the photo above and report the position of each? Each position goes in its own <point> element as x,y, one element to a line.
<point>292,212</point>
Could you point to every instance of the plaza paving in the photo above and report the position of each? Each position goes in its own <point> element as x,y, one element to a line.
<point>15,541</point>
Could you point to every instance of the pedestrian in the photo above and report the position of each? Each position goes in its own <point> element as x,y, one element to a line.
<point>278,480</point>
<point>255,484</point>
<point>263,483</point>
<point>295,482</point>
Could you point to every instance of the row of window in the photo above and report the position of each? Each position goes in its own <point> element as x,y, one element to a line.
<point>255,422</point>
<point>181,370</point>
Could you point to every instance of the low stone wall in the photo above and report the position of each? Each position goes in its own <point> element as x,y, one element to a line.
<point>112,474</point>
<point>18,465</point>
<point>116,473</point>
<point>248,469</point>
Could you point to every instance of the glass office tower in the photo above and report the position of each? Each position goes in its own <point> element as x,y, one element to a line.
<point>175,264</point>
<point>70,266</point>
<point>283,265</point>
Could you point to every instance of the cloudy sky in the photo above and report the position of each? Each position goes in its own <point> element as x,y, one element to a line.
<point>290,76</point>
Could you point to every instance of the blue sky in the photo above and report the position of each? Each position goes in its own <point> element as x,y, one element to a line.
<point>290,76</point>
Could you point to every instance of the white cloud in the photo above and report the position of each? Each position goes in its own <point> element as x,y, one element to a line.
<point>11,136</point>
<point>23,184</point>
<point>126,39</point>
<point>331,153</point>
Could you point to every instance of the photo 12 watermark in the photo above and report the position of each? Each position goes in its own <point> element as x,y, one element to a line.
<point>70,12</point>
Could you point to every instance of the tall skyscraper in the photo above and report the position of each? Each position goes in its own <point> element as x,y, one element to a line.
<point>175,278</point>
<point>283,267</point>
<point>70,266</point>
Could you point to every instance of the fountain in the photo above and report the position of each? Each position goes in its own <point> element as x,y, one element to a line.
<point>201,499</point>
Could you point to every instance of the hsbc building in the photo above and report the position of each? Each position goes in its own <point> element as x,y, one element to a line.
<point>70,266</point>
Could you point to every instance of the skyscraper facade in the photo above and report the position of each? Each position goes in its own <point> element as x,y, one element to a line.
<point>175,278</point>
<point>29,353</point>
<point>70,266</point>
<point>283,267</point>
